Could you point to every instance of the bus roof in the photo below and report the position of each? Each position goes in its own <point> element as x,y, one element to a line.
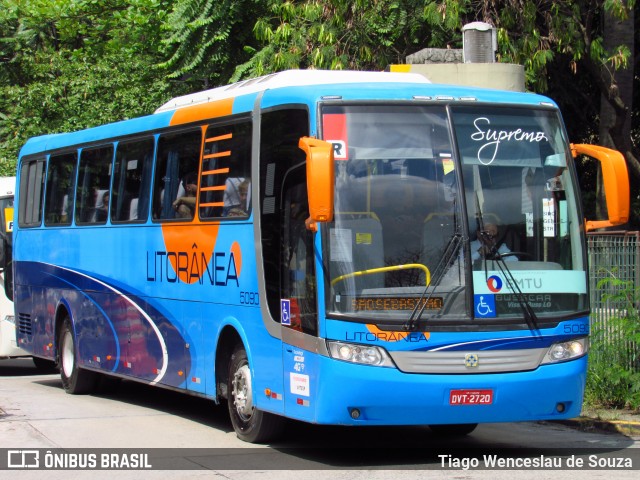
<point>290,78</point>
<point>292,86</point>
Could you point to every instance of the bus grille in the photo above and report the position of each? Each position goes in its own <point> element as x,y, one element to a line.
<point>25,326</point>
<point>459,362</point>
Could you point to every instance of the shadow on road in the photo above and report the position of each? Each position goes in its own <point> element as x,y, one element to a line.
<point>192,408</point>
<point>22,367</point>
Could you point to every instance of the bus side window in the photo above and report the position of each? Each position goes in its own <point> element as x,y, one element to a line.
<point>61,181</point>
<point>178,157</point>
<point>132,181</point>
<point>31,193</point>
<point>225,179</point>
<point>94,181</point>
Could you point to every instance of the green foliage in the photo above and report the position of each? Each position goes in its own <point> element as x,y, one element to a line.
<point>71,64</point>
<point>339,34</point>
<point>613,379</point>
<point>535,33</point>
<point>206,39</point>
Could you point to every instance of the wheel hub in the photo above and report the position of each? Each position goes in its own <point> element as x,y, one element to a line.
<point>67,354</point>
<point>242,392</point>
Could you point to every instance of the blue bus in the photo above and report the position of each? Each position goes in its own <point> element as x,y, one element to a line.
<point>347,248</point>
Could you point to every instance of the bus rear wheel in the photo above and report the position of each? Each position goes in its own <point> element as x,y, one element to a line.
<point>251,425</point>
<point>74,379</point>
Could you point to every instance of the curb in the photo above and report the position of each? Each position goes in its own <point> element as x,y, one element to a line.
<point>628,428</point>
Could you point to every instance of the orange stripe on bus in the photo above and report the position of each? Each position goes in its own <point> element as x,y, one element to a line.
<point>217,171</point>
<point>212,204</point>
<point>218,154</point>
<point>211,189</point>
<point>203,111</point>
<point>226,136</point>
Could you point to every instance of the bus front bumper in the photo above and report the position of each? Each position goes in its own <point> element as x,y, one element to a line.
<point>350,394</point>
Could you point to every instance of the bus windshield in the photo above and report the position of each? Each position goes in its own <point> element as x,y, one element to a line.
<point>468,213</point>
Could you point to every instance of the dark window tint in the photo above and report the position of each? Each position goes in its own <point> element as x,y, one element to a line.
<point>61,178</point>
<point>132,181</point>
<point>286,242</point>
<point>175,186</point>
<point>92,194</point>
<point>31,193</point>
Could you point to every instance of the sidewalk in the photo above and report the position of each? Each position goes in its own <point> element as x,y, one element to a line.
<point>625,422</point>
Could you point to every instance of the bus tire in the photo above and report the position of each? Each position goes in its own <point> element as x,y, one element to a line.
<point>74,379</point>
<point>458,430</point>
<point>251,425</point>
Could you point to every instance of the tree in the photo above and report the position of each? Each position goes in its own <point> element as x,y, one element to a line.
<point>217,43</point>
<point>342,34</point>
<point>208,38</point>
<point>71,64</point>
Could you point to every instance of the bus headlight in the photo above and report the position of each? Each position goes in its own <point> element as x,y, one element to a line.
<point>362,354</point>
<point>563,351</point>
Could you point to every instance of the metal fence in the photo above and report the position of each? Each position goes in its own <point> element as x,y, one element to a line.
<point>614,256</point>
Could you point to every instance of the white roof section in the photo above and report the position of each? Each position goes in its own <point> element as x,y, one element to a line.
<point>290,78</point>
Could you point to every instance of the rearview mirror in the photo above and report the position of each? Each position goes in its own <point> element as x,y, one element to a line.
<point>320,179</point>
<point>616,184</point>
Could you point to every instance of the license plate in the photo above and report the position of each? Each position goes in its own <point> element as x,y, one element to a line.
<point>471,397</point>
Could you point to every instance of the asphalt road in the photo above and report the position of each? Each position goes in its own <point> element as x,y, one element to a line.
<point>194,438</point>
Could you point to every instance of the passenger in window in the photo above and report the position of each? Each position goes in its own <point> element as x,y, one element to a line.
<point>185,205</point>
<point>241,209</point>
<point>102,208</point>
<point>231,197</point>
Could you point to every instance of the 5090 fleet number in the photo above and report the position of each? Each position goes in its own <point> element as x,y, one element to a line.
<point>249,298</point>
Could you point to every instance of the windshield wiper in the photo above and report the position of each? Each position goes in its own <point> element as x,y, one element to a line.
<point>450,252</point>
<point>493,254</point>
<point>529,314</point>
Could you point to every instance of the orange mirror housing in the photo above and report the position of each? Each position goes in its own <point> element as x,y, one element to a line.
<point>320,179</point>
<point>616,183</point>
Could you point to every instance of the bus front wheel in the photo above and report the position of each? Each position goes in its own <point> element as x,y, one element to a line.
<point>251,425</point>
<point>74,379</point>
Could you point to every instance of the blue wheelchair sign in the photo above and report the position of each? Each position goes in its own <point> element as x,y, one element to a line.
<point>484,306</point>
<point>285,312</point>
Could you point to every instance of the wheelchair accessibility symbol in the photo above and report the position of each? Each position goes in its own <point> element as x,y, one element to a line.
<point>485,306</point>
<point>285,312</point>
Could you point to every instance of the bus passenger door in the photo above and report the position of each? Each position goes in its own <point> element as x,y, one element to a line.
<point>298,273</point>
<point>298,296</point>
<point>288,260</point>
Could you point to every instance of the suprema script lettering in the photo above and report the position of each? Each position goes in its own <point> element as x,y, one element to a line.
<point>488,151</point>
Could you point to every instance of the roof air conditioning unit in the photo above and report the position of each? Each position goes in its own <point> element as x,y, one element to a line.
<point>479,43</point>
